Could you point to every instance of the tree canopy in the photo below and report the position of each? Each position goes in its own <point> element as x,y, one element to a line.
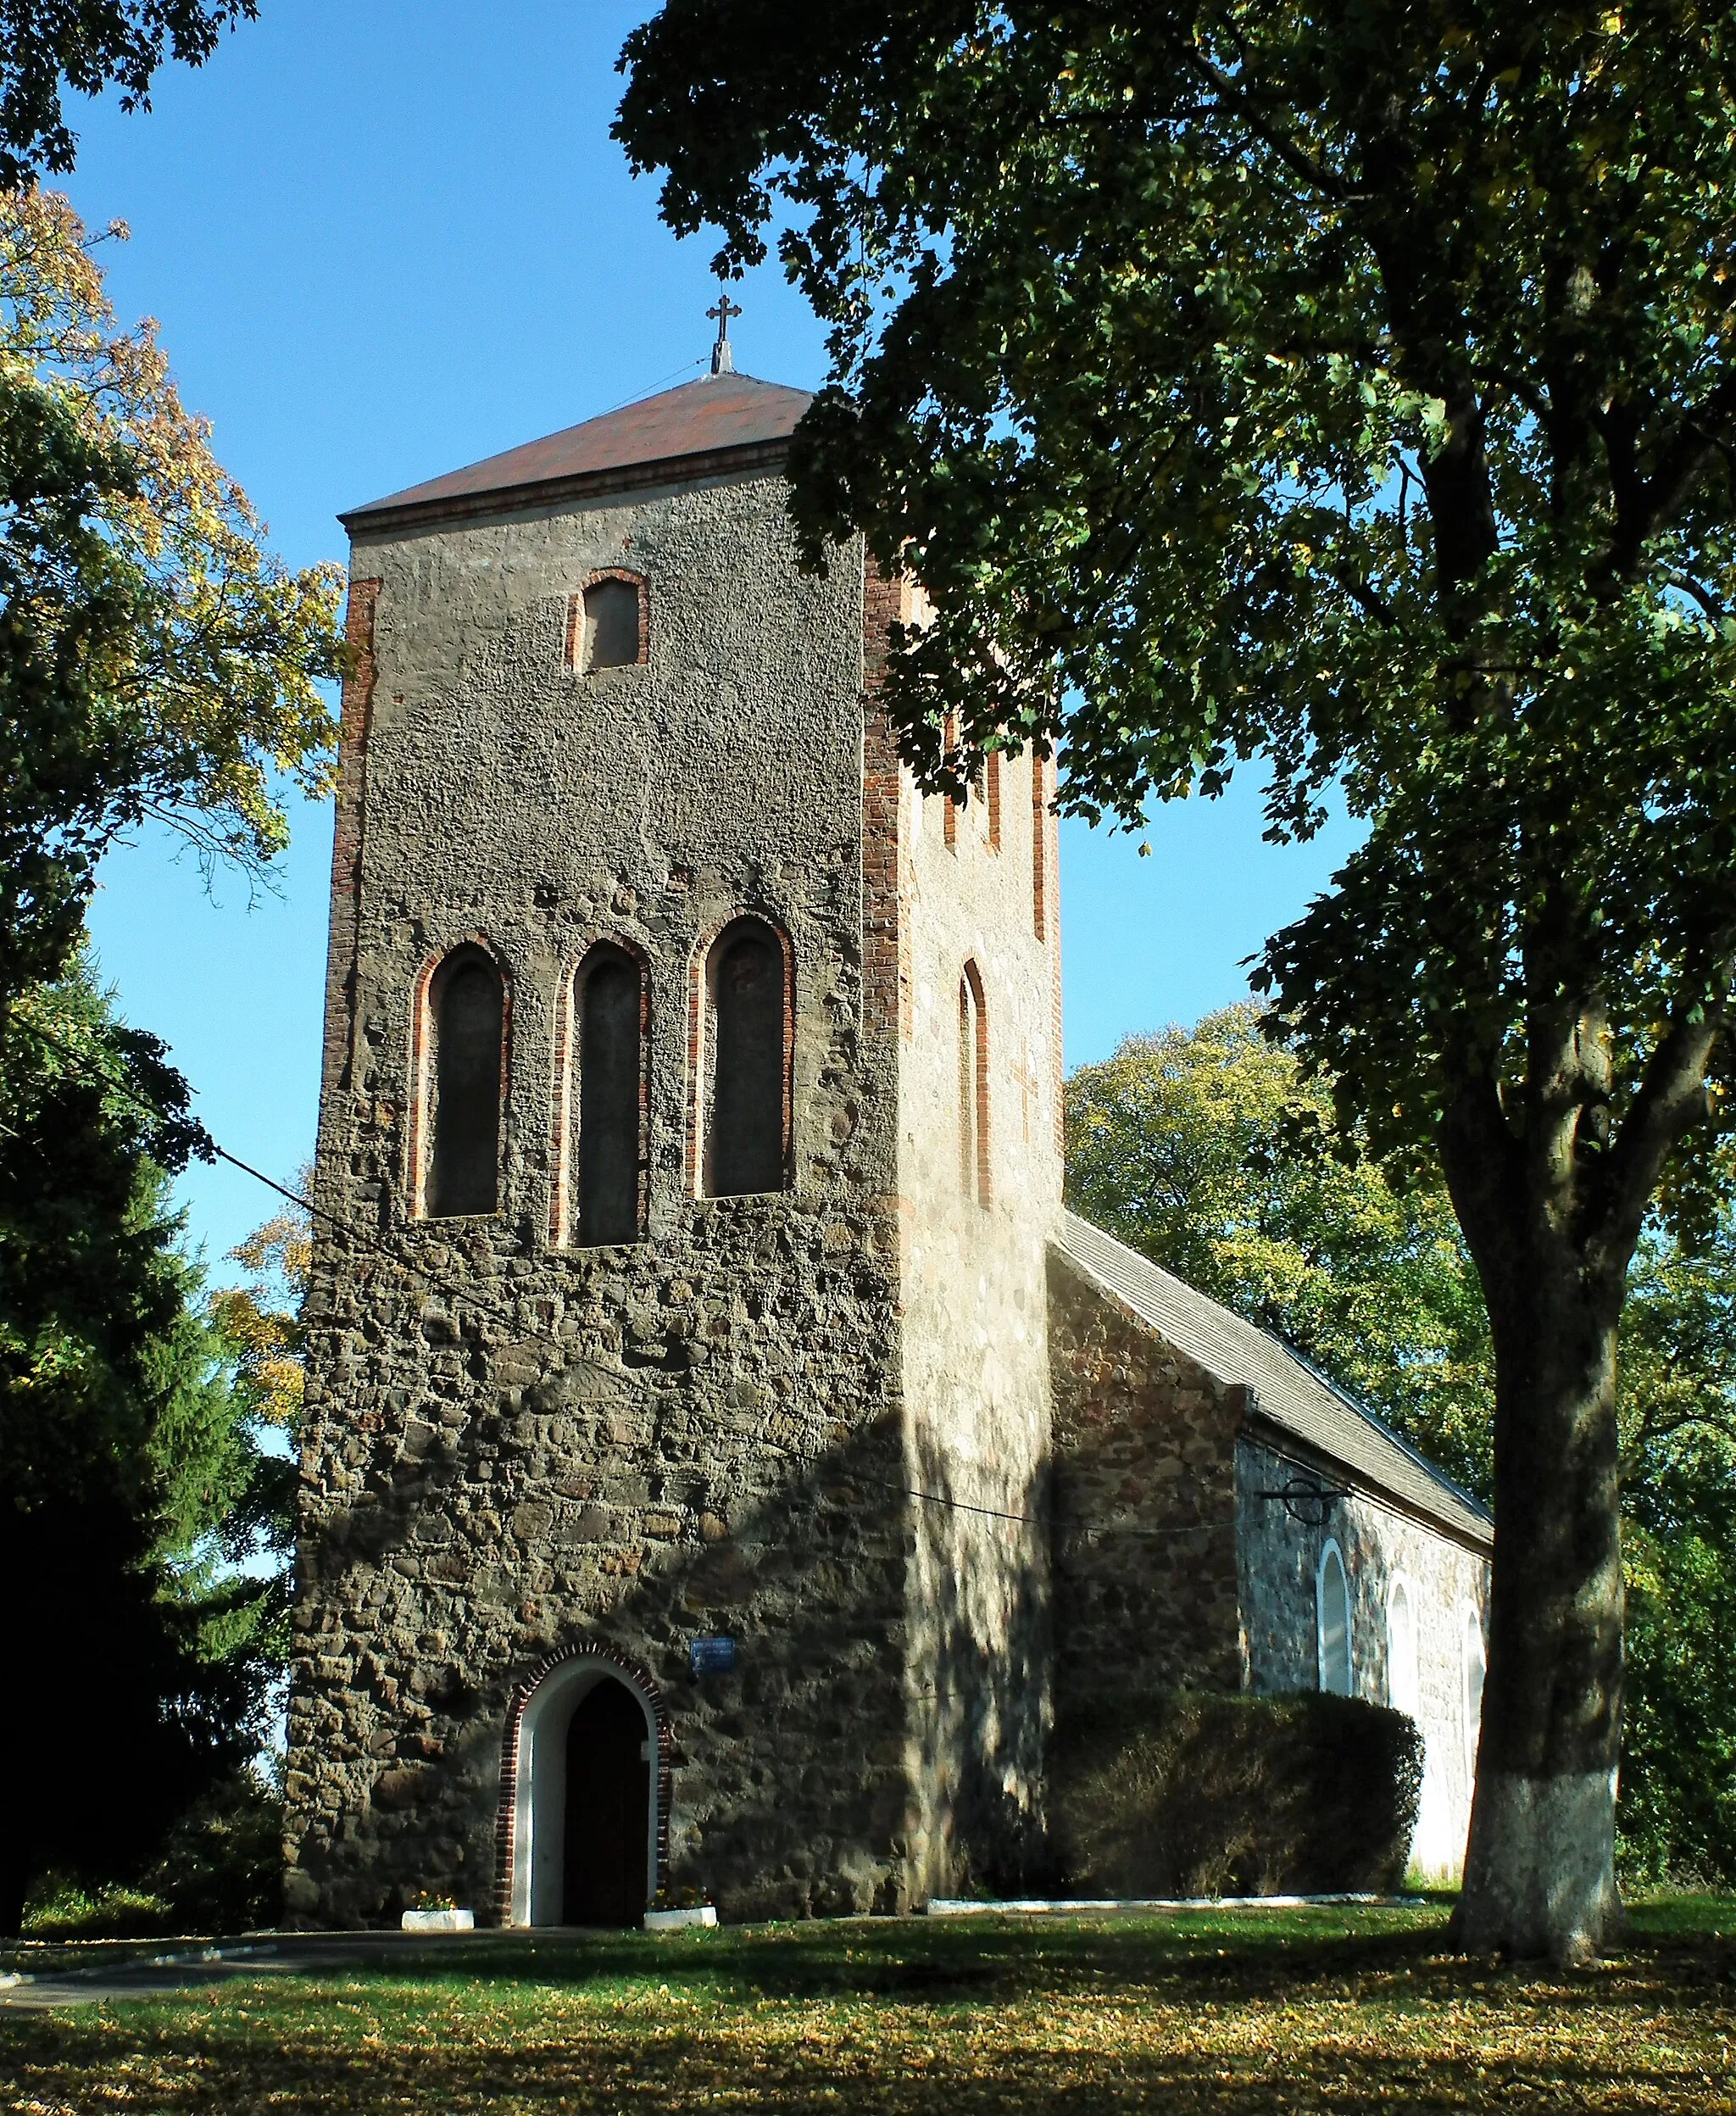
<point>156,660</point>
<point>1350,387</point>
<point>1207,1150</point>
<point>1343,386</point>
<point>48,46</point>
<point>132,1468</point>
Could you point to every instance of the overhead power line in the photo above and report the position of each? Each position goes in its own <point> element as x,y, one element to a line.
<point>457,1290</point>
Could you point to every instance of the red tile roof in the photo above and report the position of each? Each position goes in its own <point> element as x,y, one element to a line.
<point>699,420</point>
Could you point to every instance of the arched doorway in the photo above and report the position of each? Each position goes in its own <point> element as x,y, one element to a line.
<point>608,1809</point>
<point>585,1782</point>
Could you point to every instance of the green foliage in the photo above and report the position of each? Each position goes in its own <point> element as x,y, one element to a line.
<point>127,1460</point>
<point>1346,386</point>
<point>68,608</point>
<point>89,46</point>
<point>58,1909</point>
<point>1205,1149</point>
<point>1209,1152</point>
<point>1193,1794</point>
<point>221,1866</point>
<point>156,660</point>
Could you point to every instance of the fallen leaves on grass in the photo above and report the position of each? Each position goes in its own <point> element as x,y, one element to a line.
<point>914,2018</point>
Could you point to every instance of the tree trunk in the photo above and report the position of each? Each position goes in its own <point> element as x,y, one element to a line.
<point>1539,1868</point>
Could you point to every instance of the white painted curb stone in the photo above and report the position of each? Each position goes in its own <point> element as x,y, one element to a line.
<point>440,1921</point>
<point>1044,1906</point>
<point>704,1915</point>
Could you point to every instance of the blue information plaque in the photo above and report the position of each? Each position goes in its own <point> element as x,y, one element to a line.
<point>712,1656</point>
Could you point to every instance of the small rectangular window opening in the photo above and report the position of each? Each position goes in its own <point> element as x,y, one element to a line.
<point>611,626</point>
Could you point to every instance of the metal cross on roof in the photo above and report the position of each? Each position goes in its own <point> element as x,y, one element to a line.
<point>722,362</point>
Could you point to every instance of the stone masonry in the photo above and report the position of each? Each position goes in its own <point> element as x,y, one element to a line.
<point>852,1483</point>
<point>518,1450</point>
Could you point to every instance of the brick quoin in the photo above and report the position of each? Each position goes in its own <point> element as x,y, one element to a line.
<point>356,727</point>
<point>886,968</point>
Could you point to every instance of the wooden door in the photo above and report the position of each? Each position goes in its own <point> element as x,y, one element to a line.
<point>608,1809</point>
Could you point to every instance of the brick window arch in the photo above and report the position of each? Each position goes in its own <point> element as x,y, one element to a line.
<point>744,1073</point>
<point>974,1165</point>
<point>609,622</point>
<point>610,1011</point>
<point>461,1088</point>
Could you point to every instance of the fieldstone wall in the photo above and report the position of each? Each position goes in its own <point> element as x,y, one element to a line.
<point>1447,1586</point>
<point>513,1448</point>
<point>1146,1589</point>
<point>638,1465</point>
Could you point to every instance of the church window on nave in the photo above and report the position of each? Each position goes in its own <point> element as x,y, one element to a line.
<point>1333,1601</point>
<point>609,991</point>
<point>611,636</point>
<point>1403,1689</point>
<point>747,996</point>
<point>466,1020</point>
<point>1473,1671</point>
<point>973,1088</point>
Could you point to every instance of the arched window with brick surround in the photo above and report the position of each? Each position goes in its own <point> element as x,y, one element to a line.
<point>463,1080</point>
<point>610,1005</point>
<point>973,1088</point>
<point>746,1003</point>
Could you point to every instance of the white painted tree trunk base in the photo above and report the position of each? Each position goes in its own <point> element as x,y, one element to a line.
<point>1540,1868</point>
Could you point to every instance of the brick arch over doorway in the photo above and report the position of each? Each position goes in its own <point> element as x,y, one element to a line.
<point>512,1835</point>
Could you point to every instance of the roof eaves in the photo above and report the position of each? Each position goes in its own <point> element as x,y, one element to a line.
<point>383,518</point>
<point>1432,1469</point>
<point>1476,1534</point>
<point>1449,1517</point>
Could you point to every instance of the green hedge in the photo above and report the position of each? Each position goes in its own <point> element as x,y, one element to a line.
<point>1189,1794</point>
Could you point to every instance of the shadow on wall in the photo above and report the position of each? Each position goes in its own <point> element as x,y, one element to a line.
<point>981,1651</point>
<point>626,1529</point>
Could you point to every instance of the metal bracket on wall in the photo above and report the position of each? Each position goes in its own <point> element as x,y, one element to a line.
<point>1306,1500</point>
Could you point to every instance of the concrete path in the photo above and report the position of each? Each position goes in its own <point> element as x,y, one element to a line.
<point>128,1970</point>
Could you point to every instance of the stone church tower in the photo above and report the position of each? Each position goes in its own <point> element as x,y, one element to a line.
<point>689,1142</point>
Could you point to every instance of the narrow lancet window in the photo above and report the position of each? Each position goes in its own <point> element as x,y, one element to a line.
<point>610,994</point>
<point>1475,1669</point>
<point>1402,1690</point>
<point>973,1088</point>
<point>1333,1594</point>
<point>467,1017</point>
<point>747,994</point>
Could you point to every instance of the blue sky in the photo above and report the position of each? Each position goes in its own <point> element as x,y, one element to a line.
<point>385,241</point>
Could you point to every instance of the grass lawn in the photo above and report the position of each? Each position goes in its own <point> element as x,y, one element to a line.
<point>1194,2012</point>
